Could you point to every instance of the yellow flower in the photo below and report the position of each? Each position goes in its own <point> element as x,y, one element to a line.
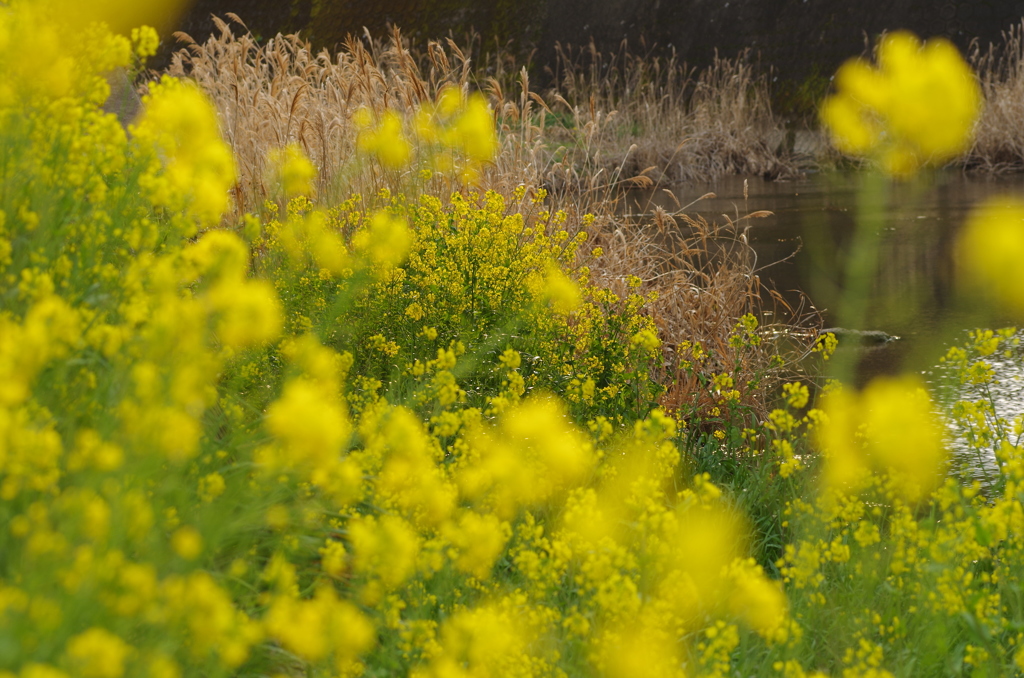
<point>312,629</point>
<point>145,41</point>
<point>120,15</point>
<point>473,132</point>
<point>387,548</point>
<point>917,107</point>
<point>796,394</point>
<point>756,599</point>
<point>187,542</point>
<point>293,170</point>
<point>333,558</point>
<point>211,486</point>
<point>250,312</point>
<point>637,651</point>
<point>889,427</point>
<point>991,249</point>
<point>386,241</point>
<point>480,539</point>
<point>647,340</point>
<point>311,428</point>
<point>560,290</point>
<point>387,142</point>
<point>179,126</point>
<point>98,653</point>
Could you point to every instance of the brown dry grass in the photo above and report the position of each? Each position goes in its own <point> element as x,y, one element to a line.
<point>707,277</point>
<point>281,92</point>
<point>606,129</point>
<point>657,115</point>
<point>999,134</point>
<point>610,118</point>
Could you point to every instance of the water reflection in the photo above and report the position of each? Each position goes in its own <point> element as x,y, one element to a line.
<point>914,294</point>
<point>1006,395</point>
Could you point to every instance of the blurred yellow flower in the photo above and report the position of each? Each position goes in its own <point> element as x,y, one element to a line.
<point>560,290</point>
<point>293,170</point>
<point>479,540</point>
<point>890,427</point>
<point>473,132</point>
<point>387,142</point>
<point>98,653</point>
<point>249,312</point>
<point>917,107</point>
<point>991,248</point>
<point>637,651</point>
<point>120,15</point>
<point>387,240</point>
<point>145,41</point>
<point>187,542</point>
<point>179,126</point>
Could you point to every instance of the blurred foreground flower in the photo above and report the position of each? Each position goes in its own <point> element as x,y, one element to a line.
<point>890,427</point>
<point>386,141</point>
<point>917,107</point>
<point>192,167</point>
<point>120,15</point>
<point>292,170</point>
<point>991,248</point>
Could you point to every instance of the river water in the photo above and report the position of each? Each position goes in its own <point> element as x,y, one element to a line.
<point>801,250</point>
<point>915,294</point>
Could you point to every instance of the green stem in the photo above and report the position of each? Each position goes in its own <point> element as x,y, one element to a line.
<point>861,265</point>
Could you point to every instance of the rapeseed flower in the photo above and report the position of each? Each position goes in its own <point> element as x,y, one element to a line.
<point>473,131</point>
<point>272,511</point>
<point>314,628</point>
<point>560,290</point>
<point>386,141</point>
<point>293,170</point>
<point>120,15</point>
<point>98,653</point>
<point>387,239</point>
<point>187,542</point>
<point>890,427</point>
<point>629,652</point>
<point>991,248</point>
<point>916,107</point>
<point>191,168</point>
<point>478,541</point>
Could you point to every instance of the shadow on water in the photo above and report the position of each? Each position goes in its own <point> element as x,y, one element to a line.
<point>801,250</point>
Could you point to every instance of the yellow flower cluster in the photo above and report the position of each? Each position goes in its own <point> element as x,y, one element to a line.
<point>292,170</point>
<point>191,168</point>
<point>455,133</point>
<point>386,141</point>
<point>990,248</point>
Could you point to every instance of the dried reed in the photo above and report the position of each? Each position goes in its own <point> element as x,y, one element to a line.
<point>279,93</point>
<point>707,277</point>
<point>999,136</point>
<point>654,114</point>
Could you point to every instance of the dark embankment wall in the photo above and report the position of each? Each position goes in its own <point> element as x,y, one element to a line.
<point>795,36</point>
<point>800,38</point>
